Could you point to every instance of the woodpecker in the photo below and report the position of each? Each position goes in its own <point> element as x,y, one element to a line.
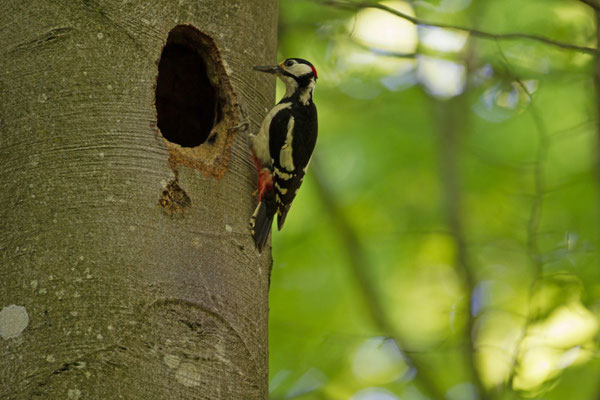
<point>283,147</point>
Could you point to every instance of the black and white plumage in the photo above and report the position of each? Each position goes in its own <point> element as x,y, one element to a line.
<point>284,145</point>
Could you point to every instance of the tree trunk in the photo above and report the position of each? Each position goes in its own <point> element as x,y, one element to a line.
<point>128,270</point>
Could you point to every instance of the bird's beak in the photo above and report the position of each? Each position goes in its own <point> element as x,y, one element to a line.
<point>271,69</point>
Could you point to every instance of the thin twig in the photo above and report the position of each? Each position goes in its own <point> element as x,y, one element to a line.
<point>359,266</point>
<point>473,32</point>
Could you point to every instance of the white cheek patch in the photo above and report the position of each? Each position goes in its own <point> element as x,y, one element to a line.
<point>285,154</point>
<point>300,69</point>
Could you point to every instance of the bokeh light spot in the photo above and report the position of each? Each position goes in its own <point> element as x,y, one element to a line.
<point>383,31</point>
<point>378,360</point>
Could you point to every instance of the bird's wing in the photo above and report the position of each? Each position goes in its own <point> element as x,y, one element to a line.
<point>292,141</point>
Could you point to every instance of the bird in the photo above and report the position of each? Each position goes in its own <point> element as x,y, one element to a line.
<point>283,147</point>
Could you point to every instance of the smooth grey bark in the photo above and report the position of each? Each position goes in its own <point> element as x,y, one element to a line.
<point>106,293</point>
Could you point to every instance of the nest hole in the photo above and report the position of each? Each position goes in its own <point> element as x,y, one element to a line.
<point>187,94</point>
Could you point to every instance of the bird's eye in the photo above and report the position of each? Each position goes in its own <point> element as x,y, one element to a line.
<point>289,63</point>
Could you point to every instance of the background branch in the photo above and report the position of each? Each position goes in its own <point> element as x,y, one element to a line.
<point>449,116</point>
<point>452,118</point>
<point>473,32</point>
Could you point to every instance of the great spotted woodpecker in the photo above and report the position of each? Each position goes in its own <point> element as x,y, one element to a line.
<point>284,145</point>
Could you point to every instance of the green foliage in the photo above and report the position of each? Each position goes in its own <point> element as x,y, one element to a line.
<point>495,175</point>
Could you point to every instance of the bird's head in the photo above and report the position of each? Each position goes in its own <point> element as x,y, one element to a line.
<point>296,73</point>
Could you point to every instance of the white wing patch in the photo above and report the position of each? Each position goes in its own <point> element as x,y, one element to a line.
<point>285,154</point>
<point>260,142</point>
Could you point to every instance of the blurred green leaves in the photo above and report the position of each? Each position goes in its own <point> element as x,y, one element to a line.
<point>474,212</point>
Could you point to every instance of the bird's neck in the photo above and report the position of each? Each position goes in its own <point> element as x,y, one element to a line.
<point>302,94</point>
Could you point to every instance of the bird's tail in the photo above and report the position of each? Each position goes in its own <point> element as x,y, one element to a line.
<point>262,219</point>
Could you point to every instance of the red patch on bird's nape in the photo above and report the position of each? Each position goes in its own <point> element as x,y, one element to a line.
<point>314,72</point>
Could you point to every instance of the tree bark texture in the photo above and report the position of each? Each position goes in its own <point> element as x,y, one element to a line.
<point>127,268</point>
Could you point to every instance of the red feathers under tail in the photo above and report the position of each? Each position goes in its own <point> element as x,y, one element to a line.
<point>262,219</point>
